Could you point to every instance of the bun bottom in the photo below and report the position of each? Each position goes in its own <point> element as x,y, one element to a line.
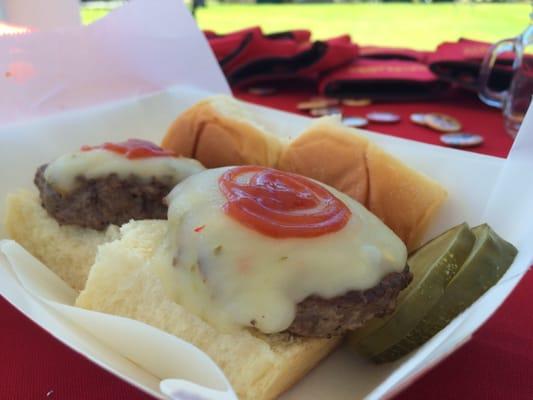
<point>258,366</point>
<point>68,251</point>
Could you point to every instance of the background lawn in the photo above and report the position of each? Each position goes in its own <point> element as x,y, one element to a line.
<point>421,26</point>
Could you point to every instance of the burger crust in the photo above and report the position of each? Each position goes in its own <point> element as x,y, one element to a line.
<point>99,202</point>
<point>320,317</point>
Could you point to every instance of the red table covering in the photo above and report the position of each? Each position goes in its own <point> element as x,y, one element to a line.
<point>496,364</point>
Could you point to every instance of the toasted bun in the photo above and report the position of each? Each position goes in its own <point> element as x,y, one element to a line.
<point>219,132</point>
<point>258,366</point>
<point>69,251</point>
<point>222,131</point>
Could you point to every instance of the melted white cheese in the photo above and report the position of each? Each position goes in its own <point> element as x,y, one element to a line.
<point>62,172</point>
<point>234,276</point>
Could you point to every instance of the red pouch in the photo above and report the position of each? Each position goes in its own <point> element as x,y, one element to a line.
<point>309,62</point>
<point>298,35</point>
<point>210,34</point>
<point>459,62</point>
<point>393,53</point>
<point>383,80</point>
<point>241,47</point>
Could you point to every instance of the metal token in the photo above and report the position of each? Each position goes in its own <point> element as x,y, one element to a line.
<point>312,104</point>
<point>461,139</point>
<point>442,122</point>
<point>355,122</point>
<point>321,112</point>
<point>418,118</point>
<point>356,102</point>
<point>328,100</point>
<point>383,117</point>
<point>262,91</point>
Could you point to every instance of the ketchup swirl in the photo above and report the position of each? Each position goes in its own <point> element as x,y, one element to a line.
<point>280,204</point>
<point>133,149</point>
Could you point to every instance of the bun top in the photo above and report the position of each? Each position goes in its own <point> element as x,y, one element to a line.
<point>219,132</point>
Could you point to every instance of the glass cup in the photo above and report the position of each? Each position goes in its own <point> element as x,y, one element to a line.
<point>514,101</point>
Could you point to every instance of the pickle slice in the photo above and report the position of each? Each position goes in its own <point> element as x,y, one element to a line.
<point>433,266</point>
<point>491,256</point>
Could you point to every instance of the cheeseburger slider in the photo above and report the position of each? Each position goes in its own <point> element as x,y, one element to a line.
<point>262,269</point>
<point>221,131</point>
<point>85,195</point>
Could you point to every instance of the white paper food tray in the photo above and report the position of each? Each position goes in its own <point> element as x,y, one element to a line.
<point>481,189</point>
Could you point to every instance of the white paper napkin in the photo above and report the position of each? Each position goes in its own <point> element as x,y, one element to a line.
<point>142,47</point>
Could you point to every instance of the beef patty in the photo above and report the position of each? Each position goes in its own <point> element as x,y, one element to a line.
<point>96,203</point>
<point>319,317</point>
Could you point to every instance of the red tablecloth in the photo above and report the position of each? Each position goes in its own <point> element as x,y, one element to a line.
<point>496,364</point>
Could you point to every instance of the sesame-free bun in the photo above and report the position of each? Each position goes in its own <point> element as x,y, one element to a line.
<point>222,131</point>
<point>404,199</point>
<point>67,250</point>
<point>332,154</point>
<point>259,367</point>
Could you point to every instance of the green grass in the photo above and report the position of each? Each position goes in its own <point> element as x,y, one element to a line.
<point>420,26</point>
<point>89,15</point>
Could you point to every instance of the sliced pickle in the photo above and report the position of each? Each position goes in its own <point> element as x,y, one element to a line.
<point>433,266</point>
<point>491,256</point>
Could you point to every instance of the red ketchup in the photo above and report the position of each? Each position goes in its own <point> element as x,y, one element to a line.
<point>280,204</point>
<point>133,149</point>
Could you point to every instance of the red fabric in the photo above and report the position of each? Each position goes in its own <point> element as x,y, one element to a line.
<point>299,35</point>
<point>465,106</point>
<point>338,51</point>
<point>496,364</point>
<point>250,57</point>
<point>396,53</point>
<point>250,45</point>
<point>466,50</point>
<point>460,62</point>
<point>382,79</point>
<point>387,70</point>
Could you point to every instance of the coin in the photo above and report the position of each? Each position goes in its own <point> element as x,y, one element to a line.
<point>321,112</point>
<point>442,122</point>
<point>311,104</point>
<point>355,122</point>
<point>261,91</point>
<point>461,139</point>
<point>356,102</point>
<point>418,118</point>
<point>383,117</point>
<point>328,100</point>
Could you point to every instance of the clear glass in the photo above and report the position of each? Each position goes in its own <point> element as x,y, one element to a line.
<point>519,97</point>
<point>514,101</point>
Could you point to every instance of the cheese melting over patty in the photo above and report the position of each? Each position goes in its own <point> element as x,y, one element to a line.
<point>234,276</point>
<point>63,172</point>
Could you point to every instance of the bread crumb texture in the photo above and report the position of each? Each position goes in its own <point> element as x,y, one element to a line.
<point>120,283</point>
<point>69,251</point>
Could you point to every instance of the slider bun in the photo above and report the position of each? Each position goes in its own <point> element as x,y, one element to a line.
<point>67,250</point>
<point>404,199</point>
<point>332,154</point>
<point>259,367</point>
<point>220,132</point>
